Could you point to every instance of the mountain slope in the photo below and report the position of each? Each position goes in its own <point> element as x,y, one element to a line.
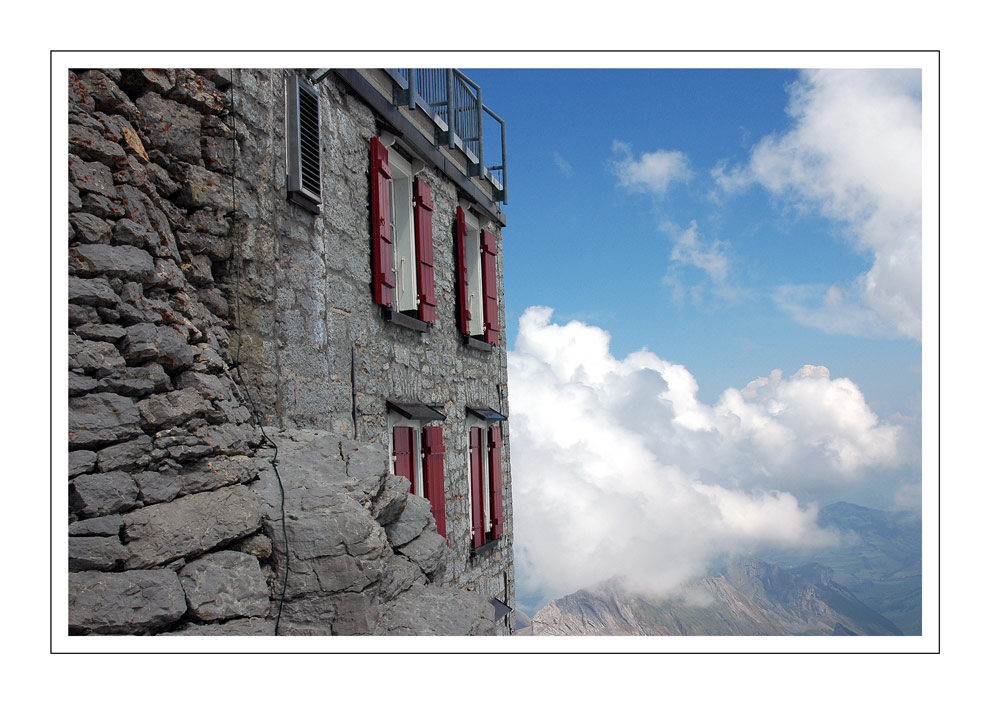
<point>878,559</point>
<point>750,598</point>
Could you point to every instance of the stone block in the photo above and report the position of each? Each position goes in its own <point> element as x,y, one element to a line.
<point>89,229</point>
<point>220,471</point>
<point>100,419</point>
<point>124,262</point>
<point>135,602</point>
<point>91,177</point>
<point>170,127</point>
<point>92,292</point>
<point>224,585</point>
<point>102,526</point>
<point>189,526</point>
<point>81,461</point>
<point>97,359</point>
<point>173,408</point>
<point>95,553</point>
<point>102,494</point>
<point>125,457</point>
<point>157,487</point>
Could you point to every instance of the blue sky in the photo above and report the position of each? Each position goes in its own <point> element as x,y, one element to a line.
<point>578,242</point>
<point>714,312</point>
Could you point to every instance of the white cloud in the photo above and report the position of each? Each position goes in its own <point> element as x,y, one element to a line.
<point>854,156</point>
<point>652,172</point>
<point>692,250</point>
<point>618,468</point>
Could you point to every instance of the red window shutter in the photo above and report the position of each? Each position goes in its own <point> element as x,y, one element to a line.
<point>383,278</point>
<point>495,479</point>
<point>489,286</point>
<point>424,252</point>
<point>433,450</point>
<point>402,450</point>
<point>462,271</point>
<point>477,488</point>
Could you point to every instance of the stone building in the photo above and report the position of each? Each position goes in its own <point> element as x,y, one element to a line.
<point>287,372</point>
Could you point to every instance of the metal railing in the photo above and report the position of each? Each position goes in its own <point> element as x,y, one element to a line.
<point>454,102</point>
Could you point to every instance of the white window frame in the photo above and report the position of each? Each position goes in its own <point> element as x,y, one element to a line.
<point>396,420</point>
<point>485,473</point>
<point>401,216</point>
<point>475,290</point>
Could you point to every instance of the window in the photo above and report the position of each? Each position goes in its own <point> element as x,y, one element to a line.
<point>402,238</point>
<point>485,477</point>
<point>417,452</point>
<point>476,253</point>
<point>303,185</point>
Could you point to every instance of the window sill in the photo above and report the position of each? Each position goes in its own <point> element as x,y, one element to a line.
<point>476,344</point>
<point>406,321</point>
<point>304,201</point>
<point>475,552</point>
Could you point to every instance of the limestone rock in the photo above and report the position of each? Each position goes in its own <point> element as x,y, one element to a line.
<point>411,523</point>
<point>95,553</point>
<point>426,551</point>
<point>173,408</point>
<point>81,461</point>
<point>170,126</point>
<point>391,500</point>
<point>189,526</point>
<point>259,545</point>
<point>102,418</point>
<point>98,359</point>
<point>104,526</point>
<point>127,456</point>
<point>233,627</point>
<point>219,471</point>
<point>224,585</point>
<point>91,292</point>
<point>400,576</point>
<point>101,494</point>
<point>124,262</point>
<point>90,229</point>
<point>435,611</point>
<point>135,602</point>
<point>205,189</point>
<point>156,487</point>
<point>91,177</point>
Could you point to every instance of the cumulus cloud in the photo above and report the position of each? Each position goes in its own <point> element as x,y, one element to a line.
<point>652,172</point>
<point>619,469</point>
<point>852,155</point>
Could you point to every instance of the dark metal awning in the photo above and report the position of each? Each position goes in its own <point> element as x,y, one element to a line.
<point>415,410</point>
<point>485,413</point>
<point>501,608</point>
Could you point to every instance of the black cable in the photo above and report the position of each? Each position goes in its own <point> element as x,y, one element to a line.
<point>237,356</point>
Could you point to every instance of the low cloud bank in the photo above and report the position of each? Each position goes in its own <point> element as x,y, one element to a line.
<point>619,469</point>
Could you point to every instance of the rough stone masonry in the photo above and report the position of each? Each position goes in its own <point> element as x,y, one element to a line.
<point>175,511</point>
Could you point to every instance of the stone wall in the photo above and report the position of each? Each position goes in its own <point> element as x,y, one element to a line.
<point>318,352</point>
<point>174,522</point>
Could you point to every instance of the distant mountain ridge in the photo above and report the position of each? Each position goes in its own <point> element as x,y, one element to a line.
<point>750,597</point>
<point>879,559</point>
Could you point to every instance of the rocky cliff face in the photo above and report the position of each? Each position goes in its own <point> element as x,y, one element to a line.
<point>749,598</point>
<point>175,521</point>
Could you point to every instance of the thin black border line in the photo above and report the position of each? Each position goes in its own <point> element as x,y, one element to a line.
<point>51,108</point>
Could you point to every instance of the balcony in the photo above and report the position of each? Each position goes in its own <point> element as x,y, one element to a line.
<point>454,104</point>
